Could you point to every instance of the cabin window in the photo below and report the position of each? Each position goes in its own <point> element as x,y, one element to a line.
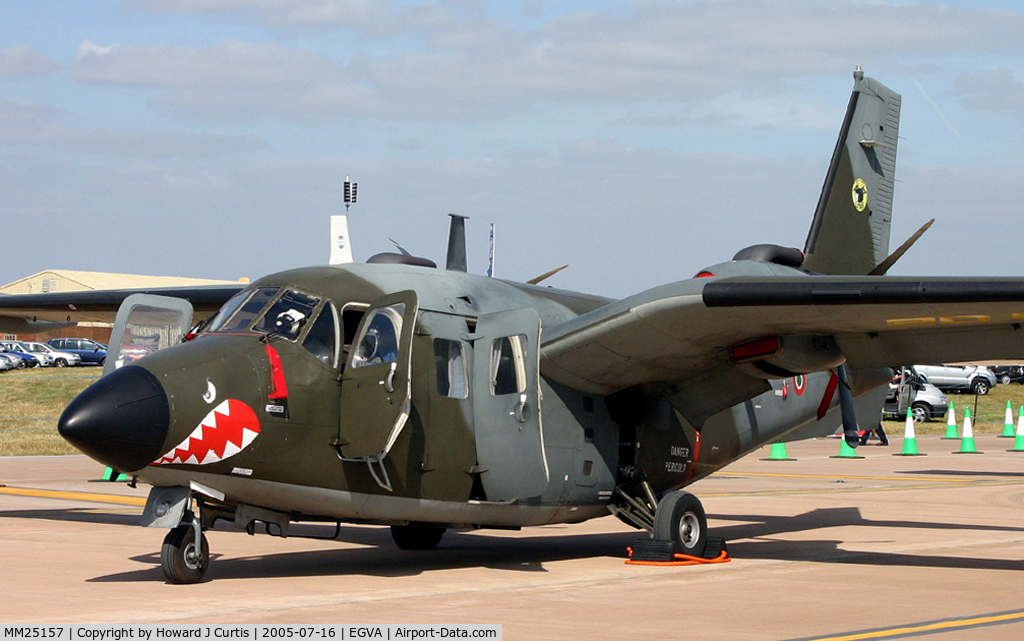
<point>508,365</point>
<point>452,372</point>
<point>237,313</point>
<point>287,316</point>
<point>322,339</point>
<point>380,336</point>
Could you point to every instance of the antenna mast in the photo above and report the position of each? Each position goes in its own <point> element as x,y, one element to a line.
<point>350,193</point>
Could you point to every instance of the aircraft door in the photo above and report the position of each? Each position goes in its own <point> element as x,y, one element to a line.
<point>146,323</point>
<point>375,387</point>
<point>506,405</point>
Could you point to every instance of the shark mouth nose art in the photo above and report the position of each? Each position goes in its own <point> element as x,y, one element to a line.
<point>225,431</point>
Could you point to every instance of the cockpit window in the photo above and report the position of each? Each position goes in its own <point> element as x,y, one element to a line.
<point>237,313</point>
<point>379,340</point>
<point>288,314</point>
<point>322,338</point>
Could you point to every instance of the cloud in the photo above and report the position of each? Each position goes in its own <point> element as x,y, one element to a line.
<point>90,48</point>
<point>444,65</point>
<point>280,13</point>
<point>994,90</point>
<point>24,61</point>
<point>33,125</point>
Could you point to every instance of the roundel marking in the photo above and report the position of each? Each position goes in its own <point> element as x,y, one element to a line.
<point>860,194</point>
<point>799,384</point>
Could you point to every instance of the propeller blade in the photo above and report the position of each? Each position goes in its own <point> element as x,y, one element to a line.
<point>883,267</point>
<point>404,251</point>
<point>846,407</point>
<point>457,244</point>
<point>534,281</point>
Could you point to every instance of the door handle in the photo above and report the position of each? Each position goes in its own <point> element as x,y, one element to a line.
<point>389,382</point>
<point>520,410</point>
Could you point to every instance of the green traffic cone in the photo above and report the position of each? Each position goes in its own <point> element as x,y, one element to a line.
<point>110,474</point>
<point>909,437</point>
<point>1018,444</point>
<point>778,453</point>
<point>1008,431</point>
<point>967,440</point>
<point>951,423</point>
<point>845,451</point>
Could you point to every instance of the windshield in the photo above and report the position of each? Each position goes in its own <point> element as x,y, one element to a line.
<point>287,315</point>
<point>237,313</point>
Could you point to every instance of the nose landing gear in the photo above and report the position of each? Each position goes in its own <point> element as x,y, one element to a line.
<point>185,554</point>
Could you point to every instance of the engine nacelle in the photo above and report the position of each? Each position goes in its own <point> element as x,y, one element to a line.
<point>785,356</point>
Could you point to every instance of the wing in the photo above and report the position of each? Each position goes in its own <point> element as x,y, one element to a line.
<point>29,313</point>
<point>685,335</point>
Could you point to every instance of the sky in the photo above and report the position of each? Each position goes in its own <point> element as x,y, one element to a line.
<point>637,142</point>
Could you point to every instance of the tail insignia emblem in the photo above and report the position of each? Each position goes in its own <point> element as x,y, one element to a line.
<point>860,194</point>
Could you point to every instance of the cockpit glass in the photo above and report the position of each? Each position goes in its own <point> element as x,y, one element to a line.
<point>380,337</point>
<point>287,316</point>
<point>237,313</point>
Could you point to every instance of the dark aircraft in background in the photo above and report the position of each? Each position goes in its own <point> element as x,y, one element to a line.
<point>398,393</point>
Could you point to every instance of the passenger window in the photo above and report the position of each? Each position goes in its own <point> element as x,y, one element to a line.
<point>452,373</point>
<point>287,316</point>
<point>238,312</point>
<point>379,340</point>
<point>508,365</point>
<point>322,338</point>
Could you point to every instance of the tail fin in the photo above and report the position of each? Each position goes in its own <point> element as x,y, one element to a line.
<point>850,231</point>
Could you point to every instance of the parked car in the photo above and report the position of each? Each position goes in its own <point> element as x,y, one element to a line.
<point>927,403</point>
<point>60,359</point>
<point>91,352</point>
<point>6,363</point>
<point>959,378</point>
<point>43,359</point>
<point>1007,374</point>
<point>21,360</point>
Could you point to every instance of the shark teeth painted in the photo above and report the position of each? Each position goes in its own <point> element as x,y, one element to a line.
<point>227,430</point>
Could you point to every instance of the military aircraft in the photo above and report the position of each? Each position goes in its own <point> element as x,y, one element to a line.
<point>394,392</point>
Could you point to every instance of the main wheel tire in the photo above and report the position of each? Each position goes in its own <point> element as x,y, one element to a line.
<point>1006,380</point>
<point>178,556</point>
<point>980,387</point>
<point>417,537</point>
<point>60,362</point>
<point>921,412</point>
<point>680,518</point>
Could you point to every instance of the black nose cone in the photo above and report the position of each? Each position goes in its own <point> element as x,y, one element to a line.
<point>121,420</point>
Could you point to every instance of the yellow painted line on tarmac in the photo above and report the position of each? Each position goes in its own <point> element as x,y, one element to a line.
<point>947,625</point>
<point>850,476</point>
<point>75,496</point>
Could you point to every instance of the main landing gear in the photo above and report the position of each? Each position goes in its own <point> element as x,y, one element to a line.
<point>677,518</point>
<point>680,518</point>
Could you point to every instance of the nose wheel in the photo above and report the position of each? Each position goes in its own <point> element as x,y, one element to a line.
<point>185,554</point>
<point>680,518</point>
